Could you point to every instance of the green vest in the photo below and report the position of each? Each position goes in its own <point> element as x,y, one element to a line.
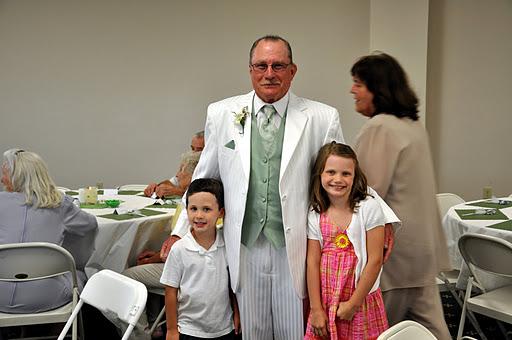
<point>263,206</point>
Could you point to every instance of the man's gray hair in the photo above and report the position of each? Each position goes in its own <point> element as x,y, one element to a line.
<point>271,37</point>
<point>29,174</point>
<point>199,134</point>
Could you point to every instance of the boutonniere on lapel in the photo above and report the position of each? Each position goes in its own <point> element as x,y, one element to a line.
<point>240,118</point>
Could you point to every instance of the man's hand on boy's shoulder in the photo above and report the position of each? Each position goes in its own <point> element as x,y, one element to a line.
<point>166,247</point>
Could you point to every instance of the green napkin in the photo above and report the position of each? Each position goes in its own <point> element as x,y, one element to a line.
<point>173,197</point>
<point>128,192</point>
<point>487,204</point>
<point>94,206</point>
<point>507,225</point>
<point>151,212</point>
<point>497,216</point>
<point>167,206</point>
<point>129,216</point>
<point>71,193</point>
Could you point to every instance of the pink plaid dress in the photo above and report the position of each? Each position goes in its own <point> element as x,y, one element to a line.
<point>337,273</point>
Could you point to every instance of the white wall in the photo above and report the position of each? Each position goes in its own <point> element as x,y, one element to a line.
<point>400,28</point>
<point>111,91</point>
<point>469,94</point>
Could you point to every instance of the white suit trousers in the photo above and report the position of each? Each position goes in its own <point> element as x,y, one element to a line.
<point>269,306</point>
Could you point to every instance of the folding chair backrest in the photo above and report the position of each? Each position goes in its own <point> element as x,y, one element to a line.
<point>112,292</point>
<point>447,200</point>
<point>136,187</point>
<point>488,253</point>
<point>407,330</point>
<point>34,260</point>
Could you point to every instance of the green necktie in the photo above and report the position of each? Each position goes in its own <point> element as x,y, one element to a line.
<point>267,127</point>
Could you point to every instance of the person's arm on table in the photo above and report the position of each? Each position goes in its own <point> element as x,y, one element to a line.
<point>150,189</point>
<point>168,189</point>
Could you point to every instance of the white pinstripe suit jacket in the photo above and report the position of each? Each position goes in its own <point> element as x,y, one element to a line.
<point>309,125</point>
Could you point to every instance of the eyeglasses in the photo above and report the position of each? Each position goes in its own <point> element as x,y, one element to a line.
<point>276,67</point>
<point>18,152</point>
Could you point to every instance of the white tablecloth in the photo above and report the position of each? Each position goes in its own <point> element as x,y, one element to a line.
<point>455,227</point>
<point>119,242</point>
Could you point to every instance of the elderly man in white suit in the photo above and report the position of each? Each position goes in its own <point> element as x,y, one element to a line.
<point>266,178</point>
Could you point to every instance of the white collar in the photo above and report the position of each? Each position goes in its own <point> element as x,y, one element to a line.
<point>279,105</point>
<point>192,245</point>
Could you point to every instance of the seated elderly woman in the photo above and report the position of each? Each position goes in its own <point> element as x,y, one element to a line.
<point>33,210</point>
<point>179,183</point>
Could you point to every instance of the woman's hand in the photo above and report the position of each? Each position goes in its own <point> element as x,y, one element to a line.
<point>346,310</point>
<point>389,241</point>
<point>319,322</point>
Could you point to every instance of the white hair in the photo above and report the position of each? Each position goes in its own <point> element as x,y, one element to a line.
<point>28,174</point>
<point>189,161</point>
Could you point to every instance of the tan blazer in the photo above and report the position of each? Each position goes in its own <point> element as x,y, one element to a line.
<point>309,125</point>
<point>395,155</point>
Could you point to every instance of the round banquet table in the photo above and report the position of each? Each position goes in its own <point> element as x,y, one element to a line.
<point>456,223</point>
<point>121,237</point>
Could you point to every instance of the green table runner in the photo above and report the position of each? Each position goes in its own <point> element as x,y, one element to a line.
<point>507,225</point>
<point>497,216</point>
<point>488,204</point>
<point>128,216</point>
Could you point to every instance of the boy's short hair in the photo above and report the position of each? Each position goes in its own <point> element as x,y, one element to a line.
<point>210,185</point>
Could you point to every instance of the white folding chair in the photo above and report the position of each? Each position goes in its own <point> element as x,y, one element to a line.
<point>492,255</point>
<point>111,292</point>
<point>447,200</point>
<point>21,262</point>
<point>134,187</point>
<point>407,330</point>
<point>446,281</point>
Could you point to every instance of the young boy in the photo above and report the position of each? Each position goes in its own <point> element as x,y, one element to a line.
<point>197,293</point>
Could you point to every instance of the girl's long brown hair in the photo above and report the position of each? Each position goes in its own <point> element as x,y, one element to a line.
<point>318,198</point>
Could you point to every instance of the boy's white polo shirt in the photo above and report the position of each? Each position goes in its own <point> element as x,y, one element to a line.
<point>201,275</point>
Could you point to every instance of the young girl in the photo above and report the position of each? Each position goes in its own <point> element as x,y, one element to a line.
<point>197,294</point>
<point>345,250</point>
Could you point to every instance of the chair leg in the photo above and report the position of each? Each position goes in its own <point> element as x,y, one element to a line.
<point>156,322</point>
<point>503,329</point>
<point>471,315</point>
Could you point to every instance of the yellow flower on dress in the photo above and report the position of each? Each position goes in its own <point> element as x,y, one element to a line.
<point>341,241</point>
